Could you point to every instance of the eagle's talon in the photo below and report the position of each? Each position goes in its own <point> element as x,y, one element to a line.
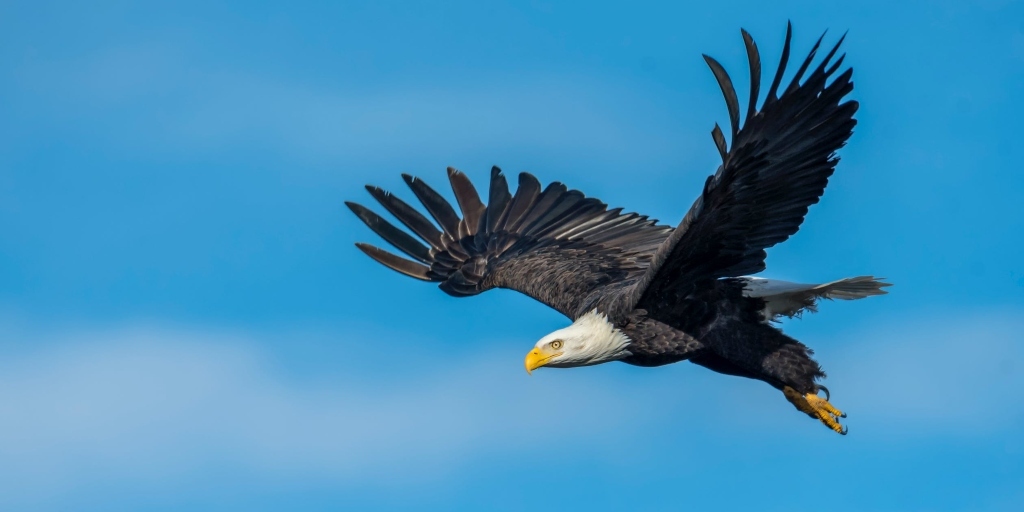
<point>828,396</point>
<point>817,407</point>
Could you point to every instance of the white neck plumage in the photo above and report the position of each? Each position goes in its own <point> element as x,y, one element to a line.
<point>591,339</point>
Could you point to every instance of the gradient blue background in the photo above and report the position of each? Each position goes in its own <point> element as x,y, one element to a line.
<point>186,325</point>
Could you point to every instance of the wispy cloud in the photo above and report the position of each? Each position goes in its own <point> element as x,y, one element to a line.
<point>157,405</point>
<point>145,405</point>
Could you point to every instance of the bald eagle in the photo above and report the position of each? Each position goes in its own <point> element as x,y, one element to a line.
<point>647,294</point>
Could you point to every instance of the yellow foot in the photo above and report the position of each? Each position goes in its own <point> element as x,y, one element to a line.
<point>817,407</point>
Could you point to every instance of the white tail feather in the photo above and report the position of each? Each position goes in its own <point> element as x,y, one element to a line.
<point>783,298</point>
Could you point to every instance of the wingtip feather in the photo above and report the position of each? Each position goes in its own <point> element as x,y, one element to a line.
<point>396,263</point>
<point>725,84</point>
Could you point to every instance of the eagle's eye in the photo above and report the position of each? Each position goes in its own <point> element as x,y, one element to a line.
<point>557,344</point>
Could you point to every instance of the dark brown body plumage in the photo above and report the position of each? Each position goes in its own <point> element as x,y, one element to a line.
<point>723,331</point>
<point>672,291</point>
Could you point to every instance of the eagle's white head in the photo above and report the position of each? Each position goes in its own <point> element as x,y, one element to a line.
<point>591,339</point>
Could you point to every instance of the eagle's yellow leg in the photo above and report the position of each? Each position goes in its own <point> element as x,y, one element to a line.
<point>816,407</point>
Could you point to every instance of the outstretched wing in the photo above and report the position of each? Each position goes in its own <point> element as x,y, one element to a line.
<point>555,245</point>
<point>778,166</point>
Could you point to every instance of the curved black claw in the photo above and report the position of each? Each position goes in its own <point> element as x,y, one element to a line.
<point>845,430</point>
<point>843,415</point>
<point>828,396</point>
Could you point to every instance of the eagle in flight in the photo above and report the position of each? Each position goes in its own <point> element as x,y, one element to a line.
<point>647,294</point>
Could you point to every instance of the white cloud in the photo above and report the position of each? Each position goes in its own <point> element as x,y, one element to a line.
<point>151,405</point>
<point>157,406</point>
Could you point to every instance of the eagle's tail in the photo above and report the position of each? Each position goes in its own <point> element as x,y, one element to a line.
<point>783,298</point>
<point>852,288</point>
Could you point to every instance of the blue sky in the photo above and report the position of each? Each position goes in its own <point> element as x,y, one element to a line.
<point>185,323</point>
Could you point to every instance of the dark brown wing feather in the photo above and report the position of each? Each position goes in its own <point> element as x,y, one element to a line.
<point>556,245</point>
<point>778,166</point>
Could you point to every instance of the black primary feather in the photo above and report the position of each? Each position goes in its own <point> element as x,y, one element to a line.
<point>469,202</point>
<point>524,199</point>
<point>408,216</point>
<point>439,209</point>
<point>754,61</point>
<point>409,268</point>
<point>393,235</point>
<point>731,101</point>
<point>497,200</point>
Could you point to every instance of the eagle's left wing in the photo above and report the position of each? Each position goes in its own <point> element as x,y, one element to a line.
<point>555,245</point>
<point>779,164</point>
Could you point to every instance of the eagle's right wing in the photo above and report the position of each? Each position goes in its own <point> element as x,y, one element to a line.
<point>555,245</point>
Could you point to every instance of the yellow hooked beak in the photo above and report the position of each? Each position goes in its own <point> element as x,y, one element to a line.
<point>537,358</point>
